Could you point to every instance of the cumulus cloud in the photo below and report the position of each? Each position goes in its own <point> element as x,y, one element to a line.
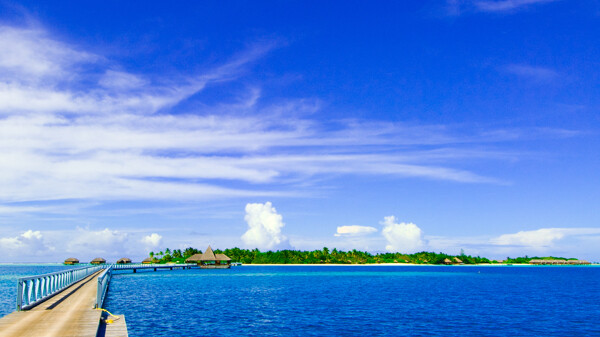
<point>264,227</point>
<point>29,243</point>
<point>106,241</point>
<point>354,230</point>
<point>152,240</point>
<point>402,237</point>
<point>541,238</point>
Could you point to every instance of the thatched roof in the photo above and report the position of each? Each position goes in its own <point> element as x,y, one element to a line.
<point>208,255</point>
<point>72,260</point>
<point>98,260</point>
<point>147,260</point>
<point>457,260</point>
<point>124,260</point>
<point>447,260</point>
<point>194,258</point>
<point>222,257</point>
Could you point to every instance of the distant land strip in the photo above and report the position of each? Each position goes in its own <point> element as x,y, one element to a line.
<point>327,256</point>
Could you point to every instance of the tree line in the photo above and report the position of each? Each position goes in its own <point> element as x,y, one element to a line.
<point>320,256</point>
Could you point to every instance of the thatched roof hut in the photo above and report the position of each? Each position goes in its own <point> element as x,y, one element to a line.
<point>98,260</point>
<point>147,260</point>
<point>196,258</point>
<point>447,261</point>
<point>222,257</point>
<point>457,260</point>
<point>209,258</point>
<point>123,260</point>
<point>208,255</point>
<point>71,260</point>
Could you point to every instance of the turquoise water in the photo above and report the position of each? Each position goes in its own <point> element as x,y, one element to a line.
<point>10,273</point>
<point>359,300</point>
<point>353,300</point>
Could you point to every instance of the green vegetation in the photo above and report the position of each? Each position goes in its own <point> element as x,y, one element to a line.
<point>323,256</point>
<point>526,259</point>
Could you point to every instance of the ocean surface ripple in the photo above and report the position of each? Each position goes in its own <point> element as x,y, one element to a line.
<point>358,300</point>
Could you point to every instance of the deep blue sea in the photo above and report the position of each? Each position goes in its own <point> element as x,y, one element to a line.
<point>352,301</point>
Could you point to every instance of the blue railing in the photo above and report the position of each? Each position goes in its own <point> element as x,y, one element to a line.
<point>36,289</point>
<point>103,281</point>
<point>151,265</point>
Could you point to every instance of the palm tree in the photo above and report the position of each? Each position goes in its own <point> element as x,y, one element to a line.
<point>151,254</point>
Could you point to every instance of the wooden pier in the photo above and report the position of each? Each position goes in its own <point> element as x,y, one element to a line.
<point>67,303</point>
<point>69,313</point>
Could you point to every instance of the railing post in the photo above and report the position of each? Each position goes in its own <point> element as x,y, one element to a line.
<point>19,295</point>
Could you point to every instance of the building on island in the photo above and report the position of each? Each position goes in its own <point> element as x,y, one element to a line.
<point>457,260</point>
<point>71,260</point>
<point>123,260</point>
<point>147,260</point>
<point>98,260</point>
<point>559,262</point>
<point>447,261</point>
<point>196,258</point>
<point>209,260</point>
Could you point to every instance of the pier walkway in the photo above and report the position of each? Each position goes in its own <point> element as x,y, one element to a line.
<point>70,313</point>
<point>66,303</point>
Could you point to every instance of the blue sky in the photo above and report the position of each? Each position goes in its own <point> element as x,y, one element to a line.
<point>399,126</point>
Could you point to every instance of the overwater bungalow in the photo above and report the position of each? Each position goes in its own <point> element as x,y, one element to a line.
<point>71,261</point>
<point>123,260</point>
<point>209,260</point>
<point>147,260</point>
<point>98,260</point>
<point>194,258</point>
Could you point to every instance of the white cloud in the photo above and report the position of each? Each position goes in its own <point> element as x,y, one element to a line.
<point>354,230</point>
<point>539,74</point>
<point>264,227</point>
<point>77,126</point>
<point>402,237</point>
<point>121,80</point>
<point>506,5</point>
<point>26,245</point>
<point>97,242</point>
<point>541,238</point>
<point>152,240</point>
<point>457,7</point>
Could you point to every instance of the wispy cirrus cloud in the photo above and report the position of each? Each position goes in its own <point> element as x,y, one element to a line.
<point>74,125</point>
<point>534,73</point>
<point>457,7</point>
<point>506,5</point>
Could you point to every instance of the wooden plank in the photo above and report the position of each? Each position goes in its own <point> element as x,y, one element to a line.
<point>69,314</point>
<point>118,328</point>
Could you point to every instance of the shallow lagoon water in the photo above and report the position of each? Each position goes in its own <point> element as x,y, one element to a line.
<point>10,273</point>
<point>349,300</point>
<point>358,300</point>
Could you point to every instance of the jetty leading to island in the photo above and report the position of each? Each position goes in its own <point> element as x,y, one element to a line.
<point>69,303</point>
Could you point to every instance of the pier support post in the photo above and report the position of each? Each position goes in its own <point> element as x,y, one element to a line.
<point>134,271</point>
